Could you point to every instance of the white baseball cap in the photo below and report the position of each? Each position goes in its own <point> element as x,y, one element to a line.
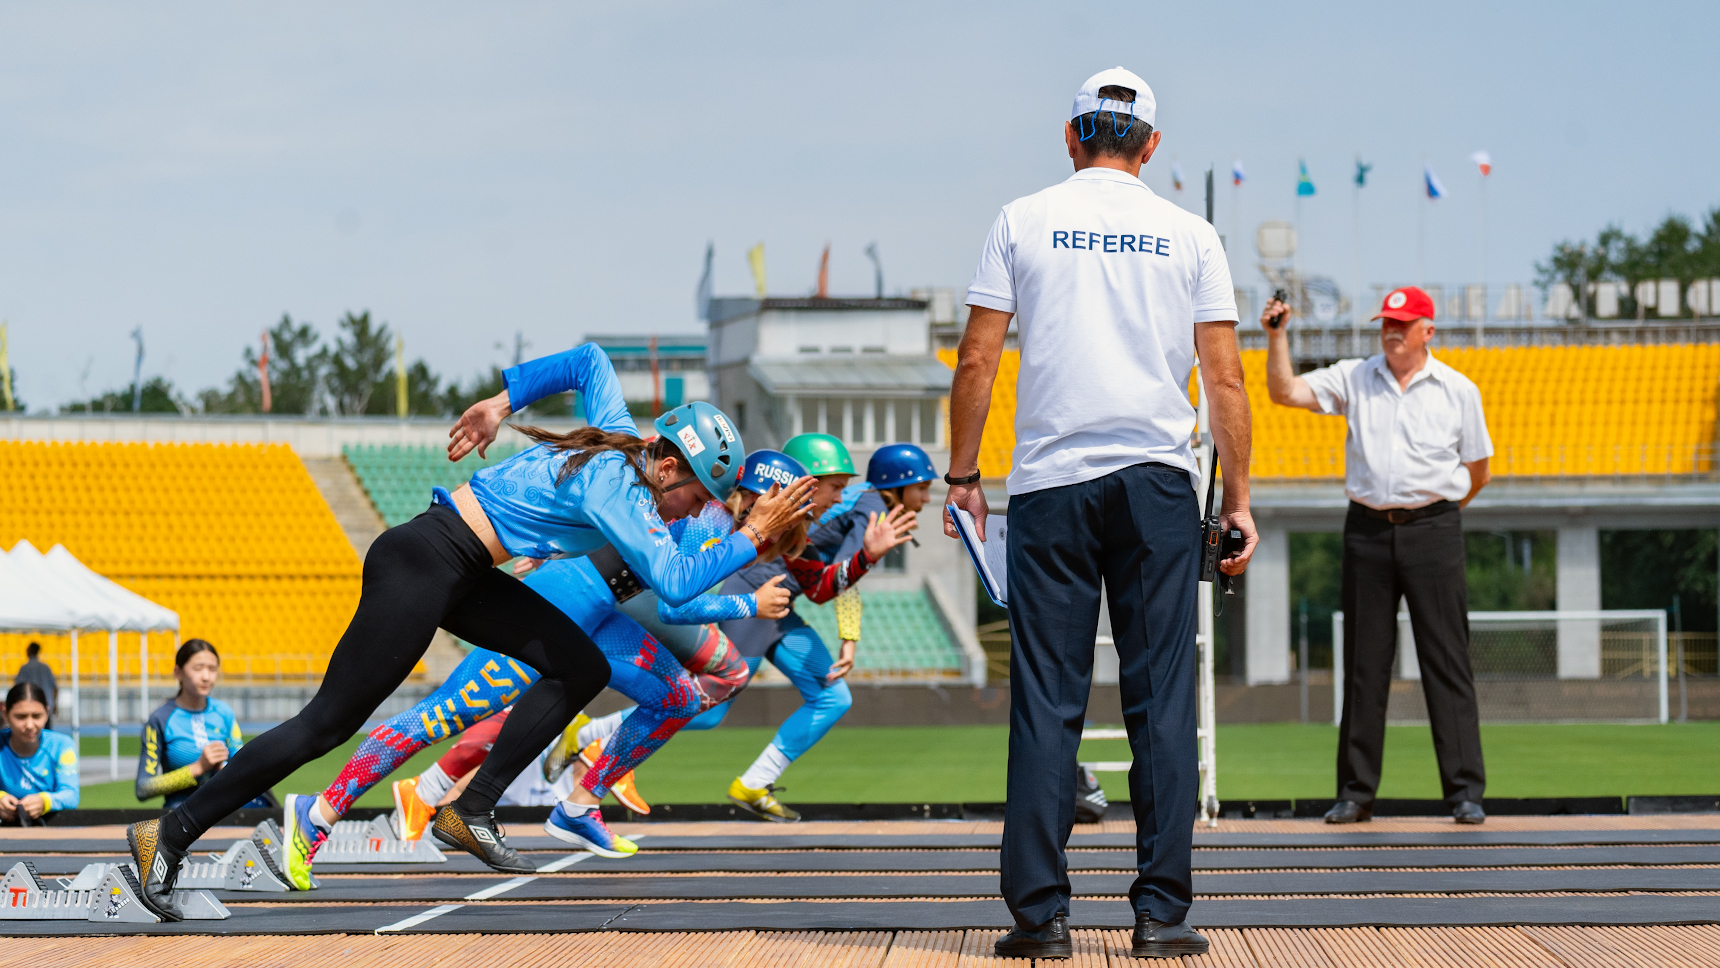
<point>1087,100</point>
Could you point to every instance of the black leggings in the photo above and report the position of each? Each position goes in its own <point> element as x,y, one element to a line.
<point>430,572</point>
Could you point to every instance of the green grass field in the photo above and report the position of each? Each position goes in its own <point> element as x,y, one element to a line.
<point>1264,762</point>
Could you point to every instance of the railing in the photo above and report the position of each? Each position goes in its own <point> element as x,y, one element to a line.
<point>1535,462</point>
<point>1310,343</point>
<point>236,669</point>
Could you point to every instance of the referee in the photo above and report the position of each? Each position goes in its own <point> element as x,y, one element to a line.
<point>1415,454</point>
<point>1113,291</point>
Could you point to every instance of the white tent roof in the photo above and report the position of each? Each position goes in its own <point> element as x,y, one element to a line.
<point>23,607</point>
<point>91,601</point>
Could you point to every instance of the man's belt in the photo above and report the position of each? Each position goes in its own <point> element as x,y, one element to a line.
<point>1405,515</point>
<point>620,579</point>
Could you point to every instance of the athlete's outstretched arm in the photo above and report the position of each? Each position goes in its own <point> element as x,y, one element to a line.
<point>584,369</point>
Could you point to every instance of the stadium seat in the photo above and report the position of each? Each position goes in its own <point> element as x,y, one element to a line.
<point>903,638</point>
<point>235,538</point>
<point>398,479</point>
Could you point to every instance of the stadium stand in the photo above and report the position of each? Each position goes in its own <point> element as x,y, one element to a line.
<point>234,537</point>
<point>1553,411</point>
<point>398,479</point>
<point>904,640</point>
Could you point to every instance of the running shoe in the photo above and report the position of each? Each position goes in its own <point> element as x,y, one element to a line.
<point>591,754</point>
<point>560,756</point>
<point>627,792</point>
<point>761,803</point>
<point>587,830</point>
<point>411,814</point>
<point>299,840</point>
<point>158,868</point>
<point>478,835</point>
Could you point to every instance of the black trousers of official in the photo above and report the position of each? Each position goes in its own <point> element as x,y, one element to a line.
<point>1421,562</point>
<point>1137,531</point>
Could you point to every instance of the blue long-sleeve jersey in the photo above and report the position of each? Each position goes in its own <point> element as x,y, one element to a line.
<point>603,503</point>
<point>51,771</point>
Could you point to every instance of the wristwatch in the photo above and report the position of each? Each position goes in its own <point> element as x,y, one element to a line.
<point>970,479</point>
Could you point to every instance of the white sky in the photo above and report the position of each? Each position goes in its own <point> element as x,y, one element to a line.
<point>466,170</point>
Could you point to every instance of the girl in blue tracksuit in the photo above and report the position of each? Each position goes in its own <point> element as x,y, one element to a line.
<point>38,767</point>
<point>190,736</point>
<point>570,496</point>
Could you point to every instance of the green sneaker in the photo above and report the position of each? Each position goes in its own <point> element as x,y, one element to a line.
<point>300,840</point>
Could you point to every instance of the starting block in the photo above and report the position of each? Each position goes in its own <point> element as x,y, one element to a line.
<point>114,898</point>
<point>241,867</point>
<point>375,842</point>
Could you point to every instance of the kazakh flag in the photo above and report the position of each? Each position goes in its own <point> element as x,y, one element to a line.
<point>1362,173</point>
<point>1304,185</point>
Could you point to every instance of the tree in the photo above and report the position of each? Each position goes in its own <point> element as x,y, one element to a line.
<point>158,397</point>
<point>296,365</point>
<point>1672,250</point>
<point>361,358</point>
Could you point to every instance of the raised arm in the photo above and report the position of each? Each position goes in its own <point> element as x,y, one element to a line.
<point>1283,386</point>
<point>584,369</point>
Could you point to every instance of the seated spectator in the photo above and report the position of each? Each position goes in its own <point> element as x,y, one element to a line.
<point>189,737</point>
<point>38,767</point>
<point>36,671</point>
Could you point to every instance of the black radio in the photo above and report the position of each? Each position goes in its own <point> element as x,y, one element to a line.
<point>1217,542</point>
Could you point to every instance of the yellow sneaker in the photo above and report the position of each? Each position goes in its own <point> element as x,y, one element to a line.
<point>627,793</point>
<point>411,815</point>
<point>761,803</point>
<point>560,756</point>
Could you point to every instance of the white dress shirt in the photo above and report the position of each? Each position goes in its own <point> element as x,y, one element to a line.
<point>1107,281</point>
<point>1406,447</point>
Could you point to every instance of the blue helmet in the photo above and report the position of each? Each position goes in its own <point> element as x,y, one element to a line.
<point>707,436</point>
<point>898,465</point>
<point>766,467</point>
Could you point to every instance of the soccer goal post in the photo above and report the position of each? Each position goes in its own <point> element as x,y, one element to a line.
<point>1607,665</point>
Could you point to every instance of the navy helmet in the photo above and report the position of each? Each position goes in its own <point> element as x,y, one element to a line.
<point>898,465</point>
<point>766,467</point>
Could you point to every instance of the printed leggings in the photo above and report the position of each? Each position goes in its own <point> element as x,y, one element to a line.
<point>803,658</point>
<point>483,684</point>
<point>431,571</point>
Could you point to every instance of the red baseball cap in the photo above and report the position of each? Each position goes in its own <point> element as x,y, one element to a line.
<point>1406,305</point>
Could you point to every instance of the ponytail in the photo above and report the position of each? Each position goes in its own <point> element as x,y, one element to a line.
<point>587,442</point>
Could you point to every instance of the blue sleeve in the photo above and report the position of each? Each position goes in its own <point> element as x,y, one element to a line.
<point>234,738</point>
<point>585,369</point>
<point>692,535</point>
<point>65,794</point>
<point>619,507</point>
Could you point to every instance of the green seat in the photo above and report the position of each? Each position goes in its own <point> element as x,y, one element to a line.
<point>398,478</point>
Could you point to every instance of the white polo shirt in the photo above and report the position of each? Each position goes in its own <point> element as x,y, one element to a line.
<point>1106,281</point>
<point>1406,447</point>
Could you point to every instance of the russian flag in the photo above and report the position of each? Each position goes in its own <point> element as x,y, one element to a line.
<point>1236,175</point>
<point>1434,189</point>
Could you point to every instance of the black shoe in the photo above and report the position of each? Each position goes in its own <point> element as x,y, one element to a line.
<point>1468,811</point>
<point>1349,811</point>
<point>157,867</point>
<point>1051,940</point>
<point>478,835</point>
<point>1156,939</point>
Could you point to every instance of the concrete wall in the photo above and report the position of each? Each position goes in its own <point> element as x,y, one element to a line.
<point>308,436</point>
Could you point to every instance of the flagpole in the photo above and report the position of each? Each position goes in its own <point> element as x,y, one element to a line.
<point>1481,324</point>
<point>1421,229</point>
<point>1356,239</point>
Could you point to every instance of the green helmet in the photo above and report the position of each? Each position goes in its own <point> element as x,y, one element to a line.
<point>820,454</point>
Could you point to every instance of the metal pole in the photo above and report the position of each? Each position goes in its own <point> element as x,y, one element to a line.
<point>1678,626</point>
<point>143,676</point>
<point>1206,718</point>
<point>1302,658</point>
<point>113,704</point>
<point>1660,641</point>
<point>1337,668</point>
<point>77,710</point>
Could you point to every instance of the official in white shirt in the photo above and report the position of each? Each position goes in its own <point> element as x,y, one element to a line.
<point>1416,453</point>
<point>1113,291</point>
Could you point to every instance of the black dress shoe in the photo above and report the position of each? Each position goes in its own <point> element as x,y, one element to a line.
<point>1468,811</point>
<point>1156,939</point>
<point>1349,811</point>
<point>1051,940</point>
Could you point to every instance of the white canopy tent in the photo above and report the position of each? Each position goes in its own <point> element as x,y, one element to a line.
<point>56,592</point>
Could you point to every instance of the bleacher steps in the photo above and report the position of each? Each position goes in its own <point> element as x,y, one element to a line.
<point>339,486</point>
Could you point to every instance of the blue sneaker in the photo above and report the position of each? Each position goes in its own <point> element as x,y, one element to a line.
<point>587,830</point>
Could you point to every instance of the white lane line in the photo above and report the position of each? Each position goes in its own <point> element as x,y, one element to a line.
<point>501,888</point>
<point>418,919</point>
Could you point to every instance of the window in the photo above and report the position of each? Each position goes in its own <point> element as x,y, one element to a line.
<point>741,416</point>
<point>809,349</point>
<point>873,349</point>
<point>928,421</point>
<point>896,559</point>
<point>809,415</point>
<point>842,349</point>
<point>904,421</point>
<point>880,410</point>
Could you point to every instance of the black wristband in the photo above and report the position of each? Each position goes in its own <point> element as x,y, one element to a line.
<point>970,479</point>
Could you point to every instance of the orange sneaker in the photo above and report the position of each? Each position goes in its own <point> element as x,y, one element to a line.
<point>411,815</point>
<point>590,755</point>
<point>627,792</point>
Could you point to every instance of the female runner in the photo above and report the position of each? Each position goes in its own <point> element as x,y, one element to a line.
<point>569,496</point>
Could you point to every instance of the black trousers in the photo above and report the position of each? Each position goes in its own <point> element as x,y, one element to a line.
<point>1421,562</point>
<point>431,571</point>
<point>1137,531</point>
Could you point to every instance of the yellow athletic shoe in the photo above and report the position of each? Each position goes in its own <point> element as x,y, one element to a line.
<point>411,815</point>
<point>300,840</point>
<point>560,756</point>
<point>627,792</point>
<point>761,803</point>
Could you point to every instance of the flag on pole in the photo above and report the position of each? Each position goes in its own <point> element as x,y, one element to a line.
<point>755,259</point>
<point>1483,161</point>
<point>1362,173</point>
<point>1434,189</point>
<point>263,373</point>
<point>399,376</point>
<point>702,299</point>
<point>824,273</point>
<point>1304,184</point>
<point>1237,177</point>
<point>5,367</point>
<point>1176,175</point>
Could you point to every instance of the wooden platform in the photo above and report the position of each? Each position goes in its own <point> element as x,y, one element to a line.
<point>1574,891</point>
